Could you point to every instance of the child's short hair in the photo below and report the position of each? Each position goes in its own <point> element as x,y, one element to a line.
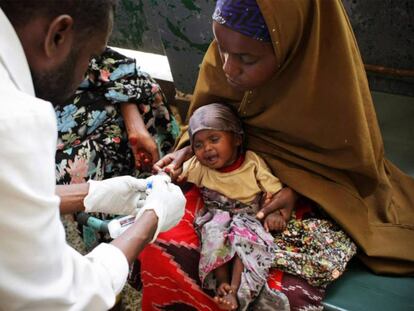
<point>218,117</point>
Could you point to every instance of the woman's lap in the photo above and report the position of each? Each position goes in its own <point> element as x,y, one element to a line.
<point>169,272</point>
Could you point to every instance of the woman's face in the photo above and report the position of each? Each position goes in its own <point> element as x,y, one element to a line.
<point>248,63</point>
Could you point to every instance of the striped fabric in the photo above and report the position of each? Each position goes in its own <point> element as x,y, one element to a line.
<point>170,278</point>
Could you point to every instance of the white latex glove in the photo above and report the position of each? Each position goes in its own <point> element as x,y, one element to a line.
<point>119,195</point>
<point>167,201</point>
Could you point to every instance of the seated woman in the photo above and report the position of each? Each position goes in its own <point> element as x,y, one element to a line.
<point>94,141</point>
<point>117,123</point>
<point>237,250</point>
<point>293,71</point>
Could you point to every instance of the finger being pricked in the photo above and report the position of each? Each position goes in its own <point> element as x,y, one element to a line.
<point>174,172</point>
<point>169,169</point>
<point>161,164</point>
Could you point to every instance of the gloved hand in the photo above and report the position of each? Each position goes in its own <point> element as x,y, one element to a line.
<point>119,195</point>
<point>167,201</point>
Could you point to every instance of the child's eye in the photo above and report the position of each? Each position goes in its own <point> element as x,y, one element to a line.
<point>197,145</point>
<point>214,139</point>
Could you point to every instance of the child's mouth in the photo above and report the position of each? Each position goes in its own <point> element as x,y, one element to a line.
<point>211,159</point>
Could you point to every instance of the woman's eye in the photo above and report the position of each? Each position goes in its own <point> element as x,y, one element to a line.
<point>248,59</point>
<point>214,139</point>
<point>197,146</point>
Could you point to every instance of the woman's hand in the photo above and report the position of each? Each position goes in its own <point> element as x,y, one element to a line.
<point>172,163</point>
<point>142,144</point>
<point>144,149</point>
<point>285,199</point>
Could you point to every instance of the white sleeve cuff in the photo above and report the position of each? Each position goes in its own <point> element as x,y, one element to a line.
<point>114,261</point>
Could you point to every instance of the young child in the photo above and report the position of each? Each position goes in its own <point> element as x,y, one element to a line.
<point>233,183</point>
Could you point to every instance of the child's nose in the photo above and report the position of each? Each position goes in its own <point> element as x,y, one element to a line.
<point>207,147</point>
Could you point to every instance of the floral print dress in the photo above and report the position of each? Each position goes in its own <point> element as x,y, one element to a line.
<point>228,228</point>
<point>92,139</point>
<point>311,247</point>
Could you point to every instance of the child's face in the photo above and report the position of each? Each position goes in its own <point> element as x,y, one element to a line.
<point>247,63</point>
<point>216,149</point>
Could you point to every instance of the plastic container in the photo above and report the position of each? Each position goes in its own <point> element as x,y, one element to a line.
<point>118,225</point>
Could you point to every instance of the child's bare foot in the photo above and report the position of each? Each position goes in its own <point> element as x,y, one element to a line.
<point>226,297</point>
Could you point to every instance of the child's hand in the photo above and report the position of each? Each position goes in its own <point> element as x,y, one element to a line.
<point>274,222</point>
<point>172,163</point>
<point>284,199</point>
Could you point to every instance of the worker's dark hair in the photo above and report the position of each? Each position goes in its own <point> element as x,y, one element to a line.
<point>88,15</point>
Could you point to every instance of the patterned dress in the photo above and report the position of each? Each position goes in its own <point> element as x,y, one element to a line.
<point>312,247</point>
<point>170,273</point>
<point>92,139</point>
<point>227,228</point>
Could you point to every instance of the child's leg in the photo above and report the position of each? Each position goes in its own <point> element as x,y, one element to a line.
<point>227,291</point>
<point>223,285</point>
<point>238,268</point>
<point>222,274</point>
<point>226,294</point>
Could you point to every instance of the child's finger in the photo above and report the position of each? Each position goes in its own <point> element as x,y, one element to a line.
<point>260,215</point>
<point>266,226</point>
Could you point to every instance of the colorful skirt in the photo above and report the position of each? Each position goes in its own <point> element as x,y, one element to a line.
<point>228,228</point>
<point>170,274</point>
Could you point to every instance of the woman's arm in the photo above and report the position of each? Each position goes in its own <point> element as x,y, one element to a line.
<point>142,144</point>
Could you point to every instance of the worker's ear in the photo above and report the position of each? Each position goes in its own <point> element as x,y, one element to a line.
<point>59,37</point>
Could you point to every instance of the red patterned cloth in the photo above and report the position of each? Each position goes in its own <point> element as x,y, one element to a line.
<point>169,272</point>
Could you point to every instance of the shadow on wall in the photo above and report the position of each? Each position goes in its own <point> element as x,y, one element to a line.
<point>385,35</point>
<point>136,28</point>
<point>182,30</point>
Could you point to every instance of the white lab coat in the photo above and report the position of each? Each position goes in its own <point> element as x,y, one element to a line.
<point>38,270</point>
